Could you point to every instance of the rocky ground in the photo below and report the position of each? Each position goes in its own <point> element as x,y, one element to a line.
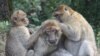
<point>3,40</point>
<point>2,43</point>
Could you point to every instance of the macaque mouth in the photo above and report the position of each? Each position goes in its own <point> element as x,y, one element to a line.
<point>52,42</point>
<point>58,17</point>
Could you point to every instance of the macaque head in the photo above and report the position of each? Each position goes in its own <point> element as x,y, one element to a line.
<point>62,11</point>
<point>51,32</point>
<point>19,18</point>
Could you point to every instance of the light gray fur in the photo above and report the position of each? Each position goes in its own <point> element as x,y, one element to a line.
<point>61,52</point>
<point>16,41</point>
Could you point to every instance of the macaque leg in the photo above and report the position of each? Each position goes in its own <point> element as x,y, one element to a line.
<point>86,49</point>
<point>61,52</point>
<point>30,53</point>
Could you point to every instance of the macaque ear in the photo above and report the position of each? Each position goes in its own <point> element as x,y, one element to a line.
<point>23,20</point>
<point>14,18</point>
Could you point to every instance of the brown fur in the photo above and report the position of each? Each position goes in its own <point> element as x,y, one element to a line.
<point>77,30</point>
<point>49,24</point>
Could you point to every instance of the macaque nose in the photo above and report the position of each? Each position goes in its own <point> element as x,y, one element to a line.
<point>52,41</point>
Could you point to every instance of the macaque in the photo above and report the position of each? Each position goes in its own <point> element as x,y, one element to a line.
<point>48,39</point>
<point>61,52</point>
<point>79,35</point>
<point>19,39</point>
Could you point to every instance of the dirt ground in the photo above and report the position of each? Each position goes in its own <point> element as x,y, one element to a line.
<point>98,51</point>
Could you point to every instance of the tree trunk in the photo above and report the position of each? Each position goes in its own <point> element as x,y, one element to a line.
<point>5,9</point>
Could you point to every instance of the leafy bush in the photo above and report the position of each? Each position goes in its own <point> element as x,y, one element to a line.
<point>40,10</point>
<point>4,26</point>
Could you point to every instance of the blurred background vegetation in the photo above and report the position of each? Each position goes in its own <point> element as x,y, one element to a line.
<point>40,10</point>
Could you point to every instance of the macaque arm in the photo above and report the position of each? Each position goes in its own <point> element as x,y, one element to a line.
<point>40,47</point>
<point>71,32</point>
<point>31,31</point>
<point>33,38</point>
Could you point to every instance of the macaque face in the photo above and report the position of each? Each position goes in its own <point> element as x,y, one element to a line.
<point>52,35</point>
<point>61,11</point>
<point>19,18</point>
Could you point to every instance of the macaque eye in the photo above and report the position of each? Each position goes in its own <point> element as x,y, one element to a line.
<point>15,18</point>
<point>47,31</point>
<point>23,19</point>
<point>66,9</point>
<point>53,30</point>
<point>56,31</point>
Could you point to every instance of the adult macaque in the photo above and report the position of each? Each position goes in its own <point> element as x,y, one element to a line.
<point>48,40</point>
<point>80,39</point>
<point>19,39</point>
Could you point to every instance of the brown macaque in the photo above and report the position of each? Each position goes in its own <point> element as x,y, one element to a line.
<point>48,40</point>
<point>19,39</point>
<point>79,35</point>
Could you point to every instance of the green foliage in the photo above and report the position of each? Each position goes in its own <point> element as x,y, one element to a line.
<point>4,26</point>
<point>98,37</point>
<point>40,10</point>
<point>29,6</point>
